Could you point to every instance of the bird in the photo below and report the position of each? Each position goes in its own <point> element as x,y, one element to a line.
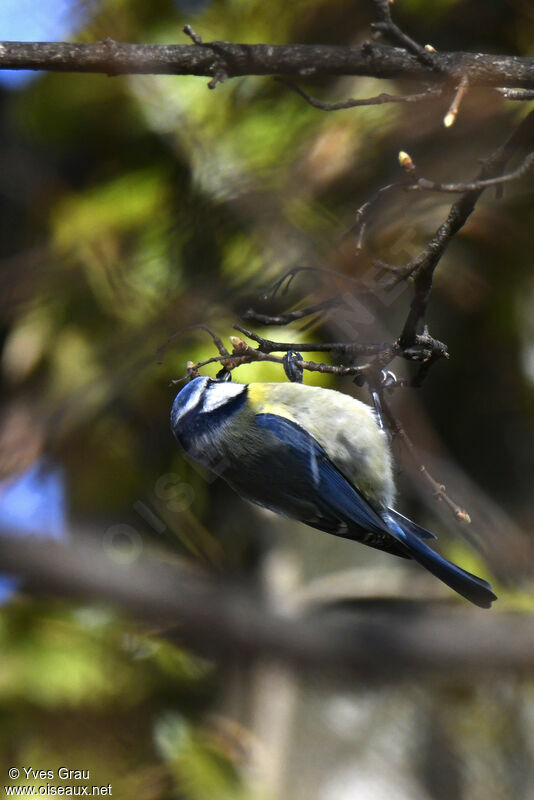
<point>311,454</point>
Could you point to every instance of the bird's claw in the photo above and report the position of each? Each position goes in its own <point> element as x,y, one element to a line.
<point>292,368</point>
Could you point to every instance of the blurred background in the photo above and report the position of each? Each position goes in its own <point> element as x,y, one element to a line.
<point>133,207</point>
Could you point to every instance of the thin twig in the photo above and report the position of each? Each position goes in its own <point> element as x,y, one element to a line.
<point>473,186</point>
<point>291,316</point>
<point>362,214</point>
<point>423,266</point>
<point>193,35</point>
<point>219,344</point>
<point>452,113</point>
<point>351,348</point>
<point>378,100</point>
<point>435,351</point>
<point>425,349</point>
<point>243,353</point>
<point>291,274</point>
<point>438,489</point>
<point>387,27</point>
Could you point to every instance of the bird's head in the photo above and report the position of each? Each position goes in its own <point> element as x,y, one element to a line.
<point>203,405</point>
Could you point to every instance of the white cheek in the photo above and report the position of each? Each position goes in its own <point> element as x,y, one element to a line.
<point>220,393</point>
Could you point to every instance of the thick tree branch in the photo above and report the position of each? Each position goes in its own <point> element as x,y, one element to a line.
<point>300,60</point>
<point>223,618</point>
<point>516,94</point>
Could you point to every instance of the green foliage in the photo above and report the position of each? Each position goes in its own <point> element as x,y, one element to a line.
<point>200,768</point>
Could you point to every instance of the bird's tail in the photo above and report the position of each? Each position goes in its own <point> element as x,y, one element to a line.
<point>475,589</point>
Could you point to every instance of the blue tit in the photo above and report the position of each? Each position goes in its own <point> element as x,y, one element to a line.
<point>311,454</point>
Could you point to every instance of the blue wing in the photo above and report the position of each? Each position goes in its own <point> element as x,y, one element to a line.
<point>341,509</point>
<point>408,526</point>
<point>333,504</point>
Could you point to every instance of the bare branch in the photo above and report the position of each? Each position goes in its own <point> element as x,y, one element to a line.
<point>425,349</point>
<point>452,113</point>
<point>350,348</point>
<point>160,353</point>
<point>388,28</point>
<point>245,354</point>
<point>380,99</point>
<point>516,94</point>
<point>364,211</point>
<point>291,316</point>
<point>121,58</point>
<point>424,265</point>
<point>474,186</point>
<point>292,273</point>
<point>193,35</point>
<point>219,617</point>
<point>437,489</point>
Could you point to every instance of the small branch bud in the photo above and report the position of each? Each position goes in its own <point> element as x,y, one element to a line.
<point>192,370</point>
<point>405,160</point>
<point>238,344</point>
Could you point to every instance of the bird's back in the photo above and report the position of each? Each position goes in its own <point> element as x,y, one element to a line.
<point>345,428</point>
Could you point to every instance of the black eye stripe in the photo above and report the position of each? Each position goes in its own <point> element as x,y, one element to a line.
<point>202,395</point>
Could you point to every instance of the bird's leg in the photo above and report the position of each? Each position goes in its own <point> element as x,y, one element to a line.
<point>386,379</point>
